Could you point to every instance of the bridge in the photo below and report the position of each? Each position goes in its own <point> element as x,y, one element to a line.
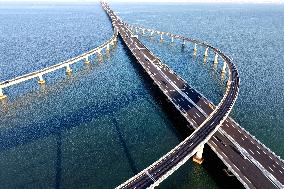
<point>249,160</point>
<point>62,65</point>
<point>254,165</point>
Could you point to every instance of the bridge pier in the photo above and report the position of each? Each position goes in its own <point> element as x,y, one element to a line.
<point>183,43</point>
<point>107,48</point>
<point>206,52</point>
<point>87,61</point>
<point>161,38</point>
<point>2,96</point>
<point>41,80</point>
<point>152,32</point>
<point>99,52</point>
<point>228,82</point>
<point>216,59</point>
<point>172,39</point>
<point>143,31</point>
<point>198,156</point>
<point>68,69</point>
<point>224,68</point>
<point>195,50</point>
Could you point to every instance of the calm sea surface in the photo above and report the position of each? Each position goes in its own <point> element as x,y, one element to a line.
<point>107,121</point>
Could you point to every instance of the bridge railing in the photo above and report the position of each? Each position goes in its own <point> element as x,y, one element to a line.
<point>195,42</point>
<point>65,64</point>
<point>223,108</point>
<point>225,58</point>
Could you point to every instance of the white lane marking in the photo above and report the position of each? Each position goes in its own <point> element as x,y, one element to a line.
<point>247,179</point>
<point>251,151</point>
<point>233,125</point>
<point>224,154</point>
<point>270,169</point>
<point>150,176</point>
<point>236,167</point>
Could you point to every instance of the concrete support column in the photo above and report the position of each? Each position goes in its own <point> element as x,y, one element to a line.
<point>2,96</point>
<point>87,61</point>
<point>99,52</point>
<point>41,80</point>
<point>206,52</point>
<point>228,82</point>
<point>198,156</point>
<point>216,59</point>
<point>183,43</point>
<point>224,68</point>
<point>68,69</point>
<point>152,32</point>
<point>115,40</point>
<point>136,30</point>
<point>107,47</point>
<point>161,38</point>
<point>172,39</point>
<point>195,50</point>
<point>143,31</point>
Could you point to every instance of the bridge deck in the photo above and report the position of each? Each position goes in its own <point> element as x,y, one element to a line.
<point>231,132</point>
<point>196,109</point>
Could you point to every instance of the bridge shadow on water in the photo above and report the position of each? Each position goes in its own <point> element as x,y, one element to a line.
<point>23,133</point>
<point>182,129</point>
<point>124,145</point>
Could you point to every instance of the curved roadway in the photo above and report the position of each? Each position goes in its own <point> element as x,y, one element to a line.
<point>166,165</point>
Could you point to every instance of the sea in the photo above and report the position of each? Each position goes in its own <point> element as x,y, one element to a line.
<point>107,121</point>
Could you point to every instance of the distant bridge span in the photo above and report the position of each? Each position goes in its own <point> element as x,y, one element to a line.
<point>65,64</point>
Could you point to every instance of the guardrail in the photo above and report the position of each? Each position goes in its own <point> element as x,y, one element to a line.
<point>266,172</point>
<point>207,128</point>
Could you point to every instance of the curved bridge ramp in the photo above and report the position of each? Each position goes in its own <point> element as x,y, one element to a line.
<point>161,75</point>
<point>178,92</point>
<point>255,165</point>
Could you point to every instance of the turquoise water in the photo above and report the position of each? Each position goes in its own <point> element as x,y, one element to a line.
<point>106,122</point>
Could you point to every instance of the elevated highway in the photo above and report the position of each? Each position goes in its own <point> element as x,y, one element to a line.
<point>255,155</point>
<point>247,158</point>
<point>161,75</point>
<point>202,115</point>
